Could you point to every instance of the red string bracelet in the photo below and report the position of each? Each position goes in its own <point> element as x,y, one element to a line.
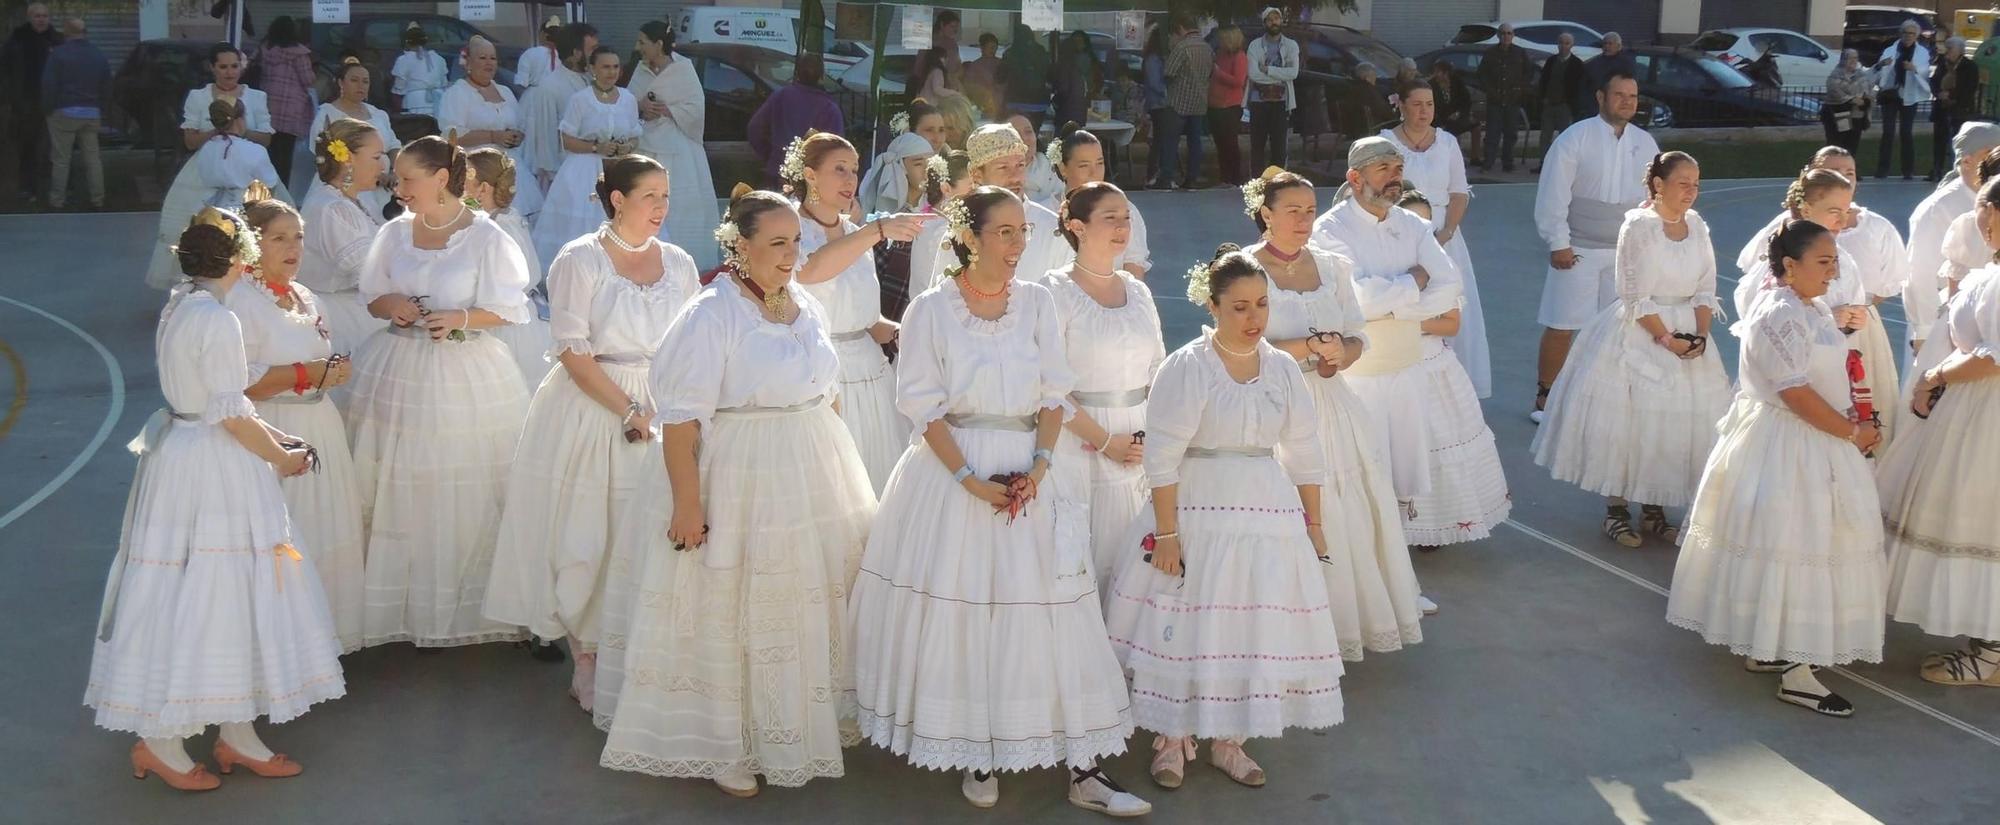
<point>300,384</point>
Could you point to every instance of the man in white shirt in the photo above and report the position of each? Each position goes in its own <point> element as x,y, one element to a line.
<point>1591,176</point>
<point>1954,197</point>
<point>539,60</point>
<point>542,106</point>
<point>999,158</point>
<point>1273,61</point>
<point>226,64</point>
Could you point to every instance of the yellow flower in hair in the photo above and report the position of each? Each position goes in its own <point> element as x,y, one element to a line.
<point>337,149</point>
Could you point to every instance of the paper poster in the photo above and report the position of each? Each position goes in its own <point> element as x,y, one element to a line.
<point>917,29</point>
<point>1042,15</point>
<point>475,10</point>
<point>1131,28</point>
<point>329,11</point>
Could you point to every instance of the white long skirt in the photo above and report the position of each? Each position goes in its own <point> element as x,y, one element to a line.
<point>640,531</point>
<point>1782,555</point>
<point>1628,419</point>
<point>529,343</point>
<point>691,222</point>
<point>736,653</point>
<point>1878,362</point>
<point>1936,486</point>
<point>1371,586</point>
<point>1110,495</point>
<point>868,407</point>
<point>1470,342</point>
<point>1243,643</point>
<point>212,616</point>
<point>433,427</point>
<point>572,480</point>
<point>325,508</point>
<point>570,210</point>
<point>1468,491</point>
<point>978,642</point>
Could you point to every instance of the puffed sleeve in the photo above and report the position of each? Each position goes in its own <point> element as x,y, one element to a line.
<point>384,129</point>
<point>1173,413</point>
<point>349,236</point>
<point>1964,249</point>
<point>406,72</point>
<point>921,393</point>
<point>1636,248</point>
<point>1975,318</point>
<point>1298,440</point>
<point>1337,268</point>
<point>451,111</point>
<point>225,372</point>
<point>1779,349</point>
<point>194,109</point>
<point>1057,377</point>
<point>686,377</point>
<point>257,112</point>
<point>1705,283</point>
<point>573,284</point>
<point>574,111</point>
<point>1137,251</point>
<point>503,277</point>
<point>374,281</point>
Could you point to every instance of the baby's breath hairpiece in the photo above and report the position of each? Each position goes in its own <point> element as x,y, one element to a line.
<point>1198,283</point>
<point>1054,153</point>
<point>794,167</point>
<point>727,234</point>
<point>900,123</point>
<point>1253,196</point>
<point>957,215</point>
<point>939,168</point>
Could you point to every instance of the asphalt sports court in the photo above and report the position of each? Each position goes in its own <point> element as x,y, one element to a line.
<point>1549,690</point>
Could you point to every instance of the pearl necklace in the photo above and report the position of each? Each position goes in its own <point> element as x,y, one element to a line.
<point>1217,341</point>
<point>1094,273</point>
<point>447,224</point>
<point>641,246</point>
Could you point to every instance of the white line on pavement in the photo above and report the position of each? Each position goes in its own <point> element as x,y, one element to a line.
<point>117,409</point>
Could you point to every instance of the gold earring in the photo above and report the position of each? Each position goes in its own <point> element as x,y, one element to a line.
<point>972,257</point>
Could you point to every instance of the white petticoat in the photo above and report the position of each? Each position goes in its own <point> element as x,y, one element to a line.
<point>570,210</point>
<point>1369,581</point>
<point>1943,533</point>
<point>1627,418</point>
<point>433,428</point>
<point>214,619</point>
<point>1111,494</point>
<point>572,479</point>
<point>1470,342</point>
<point>745,664</point>
<point>868,407</point>
<point>1243,643</point>
<point>529,343</point>
<point>325,508</point>
<point>1782,555</point>
<point>1468,491</point>
<point>978,643</point>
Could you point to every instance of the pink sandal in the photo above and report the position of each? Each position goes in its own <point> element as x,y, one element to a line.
<point>1170,757</point>
<point>1230,758</point>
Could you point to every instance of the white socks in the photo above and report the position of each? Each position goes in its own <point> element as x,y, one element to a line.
<point>243,737</point>
<point>1801,679</point>
<point>173,751</point>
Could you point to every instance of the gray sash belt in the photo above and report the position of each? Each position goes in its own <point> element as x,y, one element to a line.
<point>419,332</point>
<point>1227,452</point>
<point>1112,399</point>
<point>623,359</point>
<point>288,397</point>
<point>977,421</point>
<point>844,337</point>
<point>802,406</point>
<point>1595,223</point>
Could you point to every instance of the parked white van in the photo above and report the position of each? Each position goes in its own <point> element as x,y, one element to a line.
<point>774,29</point>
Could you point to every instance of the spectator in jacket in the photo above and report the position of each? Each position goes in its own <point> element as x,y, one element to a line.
<point>789,113</point>
<point>1955,82</point>
<point>25,54</point>
<point>1613,60</point>
<point>287,68</point>
<point>1024,73</point>
<point>76,85</point>
<point>1903,73</point>
<point>1850,91</point>
<point>1561,87</point>
<point>1454,107</point>
<point>1188,67</point>
<point>1503,73</point>
<point>1225,103</point>
<point>1273,62</point>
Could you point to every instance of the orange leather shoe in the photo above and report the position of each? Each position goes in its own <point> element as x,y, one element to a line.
<point>277,767</point>
<point>196,779</point>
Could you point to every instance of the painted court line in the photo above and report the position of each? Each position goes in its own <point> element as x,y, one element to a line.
<point>1858,679</point>
<point>111,415</point>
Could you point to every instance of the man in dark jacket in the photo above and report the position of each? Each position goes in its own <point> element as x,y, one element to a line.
<point>21,62</point>
<point>76,86</point>
<point>1613,60</point>
<point>1503,72</point>
<point>1561,86</point>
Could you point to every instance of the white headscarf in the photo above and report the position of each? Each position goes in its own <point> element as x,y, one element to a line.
<point>886,188</point>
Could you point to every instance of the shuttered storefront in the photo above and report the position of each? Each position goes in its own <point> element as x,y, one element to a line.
<point>1637,21</point>
<point>1777,14</point>
<point>1417,26</point>
<point>113,32</point>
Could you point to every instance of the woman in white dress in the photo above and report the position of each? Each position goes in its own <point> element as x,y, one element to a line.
<point>352,85</point>
<point>674,110</point>
<point>211,616</point>
<point>1824,197</point>
<point>589,431</point>
<point>419,75</point>
<point>1782,558</point>
<point>490,180</point>
<point>598,122</point>
<point>738,657</point>
<point>822,174</point>
<point>292,366</point>
<point>1632,415</point>
<point>215,175</point>
<point>1224,622</point>
<point>348,159</point>
<point>437,406</point>
<point>483,113</point>
<point>1316,318</point>
<point>1112,339</point>
<point>1875,244</point>
<point>1937,484</point>
<point>948,175</point>
<point>979,645</point>
<point>1079,158</point>
<point>1433,163</point>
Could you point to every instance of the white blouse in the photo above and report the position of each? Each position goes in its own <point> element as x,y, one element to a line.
<point>328,113</point>
<point>199,352</point>
<point>586,118</point>
<point>338,235</point>
<point>1964,250</point>
<point>256,109</point>
<point>853,298</point>
<point>593,310</point>
<point>516,227</point>
<point>1753,261</point>
<point>1111,349</point>
<point>952,361</point>
<point>1653,268</point>
<point>420,77</point>
<point>463,108</point>
<point>1789,343</point>
<point>228,162</point>
<point>1196,404</point>
<point>1438,172</point>
<point>722,354</point>
<point>1881,256</point>
<point>478,268</point>
<point>1974,314</point>
<point>273,335</point>
<point>1330,307</point>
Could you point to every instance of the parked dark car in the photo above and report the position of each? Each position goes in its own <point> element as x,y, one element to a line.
<point>1464,60</point>
<point>151,85</point>
<point>736,79</point>
<point>1701,90</point>
<point>1870,29</point>
<point>378,40</point>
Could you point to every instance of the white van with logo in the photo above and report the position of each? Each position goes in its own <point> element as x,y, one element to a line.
<point>774,29</point>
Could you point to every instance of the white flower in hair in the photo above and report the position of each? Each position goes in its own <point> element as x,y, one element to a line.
<point>938,167</point>
<point>1253,196</point>
<point>1198,288</point>
<point>727,234</point>
<point>794,167</point>
<point>900,123</point>
<point>1054,153</point>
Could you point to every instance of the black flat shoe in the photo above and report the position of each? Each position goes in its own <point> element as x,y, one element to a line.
<point>1826,704</point>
